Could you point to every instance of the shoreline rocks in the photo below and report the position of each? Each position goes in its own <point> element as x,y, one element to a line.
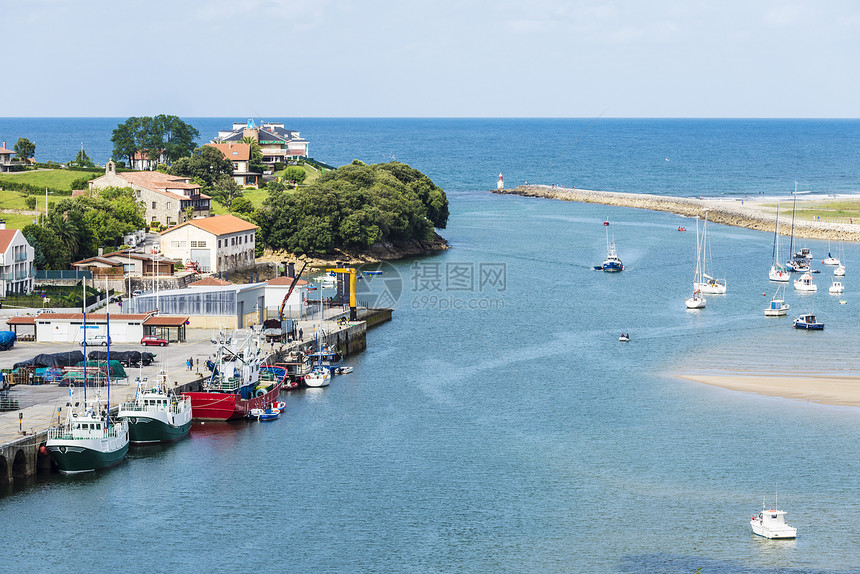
<point>753,215</point>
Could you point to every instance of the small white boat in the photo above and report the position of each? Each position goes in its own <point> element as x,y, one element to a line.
<point>771,524</point>
<point>778,306</point>
<point>625,338</point>
<point>836,288</point>
<point>779,274</point>
<point>805,283</point>
<point>696,301</point>
<point>343,370</point>
<point>777,271</point>
<point>843,302</point>
<point>830,260</point>
<point>319,377</point>
<point>705,283</point>
<point>839,271</point>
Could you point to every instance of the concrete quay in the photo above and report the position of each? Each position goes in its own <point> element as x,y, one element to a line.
<point>24,431</point>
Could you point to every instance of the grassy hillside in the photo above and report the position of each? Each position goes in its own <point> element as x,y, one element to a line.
<point>54,178</point>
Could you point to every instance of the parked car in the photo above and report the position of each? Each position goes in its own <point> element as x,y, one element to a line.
<point>153,340</point>
<point>42,311</point>
<point>136,292</point>
<point>97,340</point>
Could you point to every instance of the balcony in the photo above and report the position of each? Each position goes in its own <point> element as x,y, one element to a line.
<point>21,257</point>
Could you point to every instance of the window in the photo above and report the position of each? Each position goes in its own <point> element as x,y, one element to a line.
<point>174,244</point>
<point>168,205</point>
<point>153,205</point>
<point>219,244</point>
<point>153,219</point>
<point>138,193</point>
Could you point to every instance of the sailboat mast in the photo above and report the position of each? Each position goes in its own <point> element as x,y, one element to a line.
<point>793,215</point>
<point>775,254</point>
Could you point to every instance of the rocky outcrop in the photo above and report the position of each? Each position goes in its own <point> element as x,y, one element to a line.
<point>735,213</point>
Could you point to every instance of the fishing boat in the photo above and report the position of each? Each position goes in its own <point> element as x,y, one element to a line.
<point>799,262</point>
<point>707,284</point>
<point>777,272</point>
<point>156,414</point>
<point>697,300</point>
<point>804,283</point>
<point>89,440</point>
<point>612,263</point>
<point>771,524</point>
<point>297,365</point>
<point>808,322</point>
<point>235,387</point>
<point>836,287</point>
<point>326,358</point>
<point>277,373</point>
<point>778,307</point>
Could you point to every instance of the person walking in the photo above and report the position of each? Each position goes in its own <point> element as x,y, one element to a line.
<point>301,335</point>
<point>188,363</point>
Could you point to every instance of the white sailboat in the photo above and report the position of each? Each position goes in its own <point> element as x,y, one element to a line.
<point>697,300</point>
<point>778,306</point>
<point>706,283</point>
<point>830,260</point>
<point>799,261</point>
<point>777,271</point>
<point>840,270</point>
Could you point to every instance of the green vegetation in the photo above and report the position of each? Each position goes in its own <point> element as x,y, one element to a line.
<point>353,206</point>
<point>24,149</point>
<point>82,160</point>
<point>76,227</point>
<point>57,295</point>
<point>839,211</point>
<point>311,173</point>
<point>154,135</point>
<point>54,179</point>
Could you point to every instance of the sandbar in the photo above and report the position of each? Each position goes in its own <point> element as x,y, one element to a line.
<point>816,387</point>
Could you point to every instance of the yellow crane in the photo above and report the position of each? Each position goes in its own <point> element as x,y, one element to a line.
<point>353,314</point>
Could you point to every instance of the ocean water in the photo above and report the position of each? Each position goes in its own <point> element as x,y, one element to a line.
<point>497,424</point>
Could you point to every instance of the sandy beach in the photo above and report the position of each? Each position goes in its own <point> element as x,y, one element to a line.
<point>758,214</point>
<point>815,387</point>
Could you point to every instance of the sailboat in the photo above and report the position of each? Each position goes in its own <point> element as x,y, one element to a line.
<point>777,271</point>
<point>706,283</point>
<point>830,260</point>
<point>840,270</point>
<point>697,300</point>
<point>612,263</point>
<point>778,306</point>
<point>89,440</point>
<point>799,261</point>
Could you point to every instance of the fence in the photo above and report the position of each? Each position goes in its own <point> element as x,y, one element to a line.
<point>57,274</point>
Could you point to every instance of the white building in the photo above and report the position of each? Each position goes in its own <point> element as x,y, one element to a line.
<point>277,289</point>
<point>124,328</point>
<point>239,155</point>
<point>16,262</point>
<point>220,243</point>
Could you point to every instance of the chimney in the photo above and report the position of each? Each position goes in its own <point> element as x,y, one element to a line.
<point>101,251</point>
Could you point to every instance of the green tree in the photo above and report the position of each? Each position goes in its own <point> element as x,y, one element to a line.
<point>242,205</point>
<point>207,164</point>
<point>82,160</point>
<point>155,135</point>
<point>24,149</point>
<point>295,174</point>
<point>225,191</point>
<point>31,202</point>
<point>128,138</point>
<point>255,162</point>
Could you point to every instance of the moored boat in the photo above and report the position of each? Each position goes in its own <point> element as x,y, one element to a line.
<point>778,307</point>
<point>89,440</point>
<point>234,388</point>
<point>804,283</point>
<point>156,414</point>
<point>706,283</point>
<point>808,322</point>
<point>836,287</point>
<point>319,377</point>
<point>771,524</point>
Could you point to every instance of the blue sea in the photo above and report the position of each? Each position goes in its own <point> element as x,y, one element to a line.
<point>497,424</point>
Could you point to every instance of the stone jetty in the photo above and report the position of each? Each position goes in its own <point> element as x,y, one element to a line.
<point>752,214</point>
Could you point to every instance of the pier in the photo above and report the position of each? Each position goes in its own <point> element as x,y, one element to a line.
<point>24,430</point>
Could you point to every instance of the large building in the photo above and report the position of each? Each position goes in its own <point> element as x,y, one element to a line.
<point>215,307</point>
<point>277,143</point>
<point>220,243</point>
<point>166,198</point>
<point>17,272</point>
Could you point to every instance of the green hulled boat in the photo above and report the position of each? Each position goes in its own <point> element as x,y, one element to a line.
<point>89,440</point>
<point>156,414</point>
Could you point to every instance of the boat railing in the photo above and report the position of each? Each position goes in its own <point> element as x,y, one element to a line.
<point>66,433</point>
<point>227,385</point>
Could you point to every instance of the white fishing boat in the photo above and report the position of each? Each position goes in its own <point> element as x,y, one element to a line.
<point>156,414</point>
<point>706,283</point>
<point>612,263</point>
<point>777,272</point>
<point>804,283</point>
<point>696,300</point>
<point>771,524</point>
<point>836,287</point>
<point>89,439</point>
<point>778,307</point>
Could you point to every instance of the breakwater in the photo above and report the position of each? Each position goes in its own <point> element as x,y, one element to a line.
<point>749,214</point>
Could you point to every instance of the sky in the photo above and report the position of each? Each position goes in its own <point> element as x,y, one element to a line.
<point>439,58</point>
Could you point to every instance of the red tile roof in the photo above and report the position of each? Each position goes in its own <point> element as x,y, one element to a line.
<point>285,281</point>
<point>234,151</point>
<point>161,182</point>
<point>209,282</point>
<point>95,318</point>
<point>21,320</point>
<point>6,237</point>
<point>217,225</point>
<point>165,321</point>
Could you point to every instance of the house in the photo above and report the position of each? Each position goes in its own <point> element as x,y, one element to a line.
<point>141,161</point>
<point>126,262</point>
<point>124,328</point>
<point>277,289</point>
<point>220,243</point>
<point>277,143</point>
<point>240,155</point>
<point>6,158</point>
<point>16,262</point>
<point>166,198</point>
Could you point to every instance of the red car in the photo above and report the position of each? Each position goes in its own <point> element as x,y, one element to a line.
<point>153,340</point>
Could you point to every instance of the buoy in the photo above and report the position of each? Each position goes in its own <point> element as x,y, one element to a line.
<point>764,294</point>
<point>43,450</point>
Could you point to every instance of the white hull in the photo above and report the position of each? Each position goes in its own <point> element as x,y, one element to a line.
<point>776,312</point>
<point>780,275</point>
<point>695,303</point>
<point>836,288</point>
<point>805,283</point>
<point>831,261</point>
<point>318,379</point>
<point>839,271</point>
<point>715,288</point>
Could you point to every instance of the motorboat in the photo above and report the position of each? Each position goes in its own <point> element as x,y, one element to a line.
<point>804,283</point>
<point>778,307</point>
<point>808,322</point>
<point>836,288</point>
<point>625,338</point>
<point>771,524</point>
<point>343,370</point>
<point>839,271</point>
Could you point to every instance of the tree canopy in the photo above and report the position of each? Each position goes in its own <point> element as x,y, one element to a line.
<point>154,135</point>
<point>354,206</point>
<point>82,160</point>
<point>205,165</point>
<point>24,149</point>
<point>78,226</point>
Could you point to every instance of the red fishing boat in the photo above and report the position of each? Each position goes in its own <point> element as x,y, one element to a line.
<point>235,386</point>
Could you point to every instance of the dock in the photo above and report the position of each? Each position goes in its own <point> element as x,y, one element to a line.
<point>24,431</point>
